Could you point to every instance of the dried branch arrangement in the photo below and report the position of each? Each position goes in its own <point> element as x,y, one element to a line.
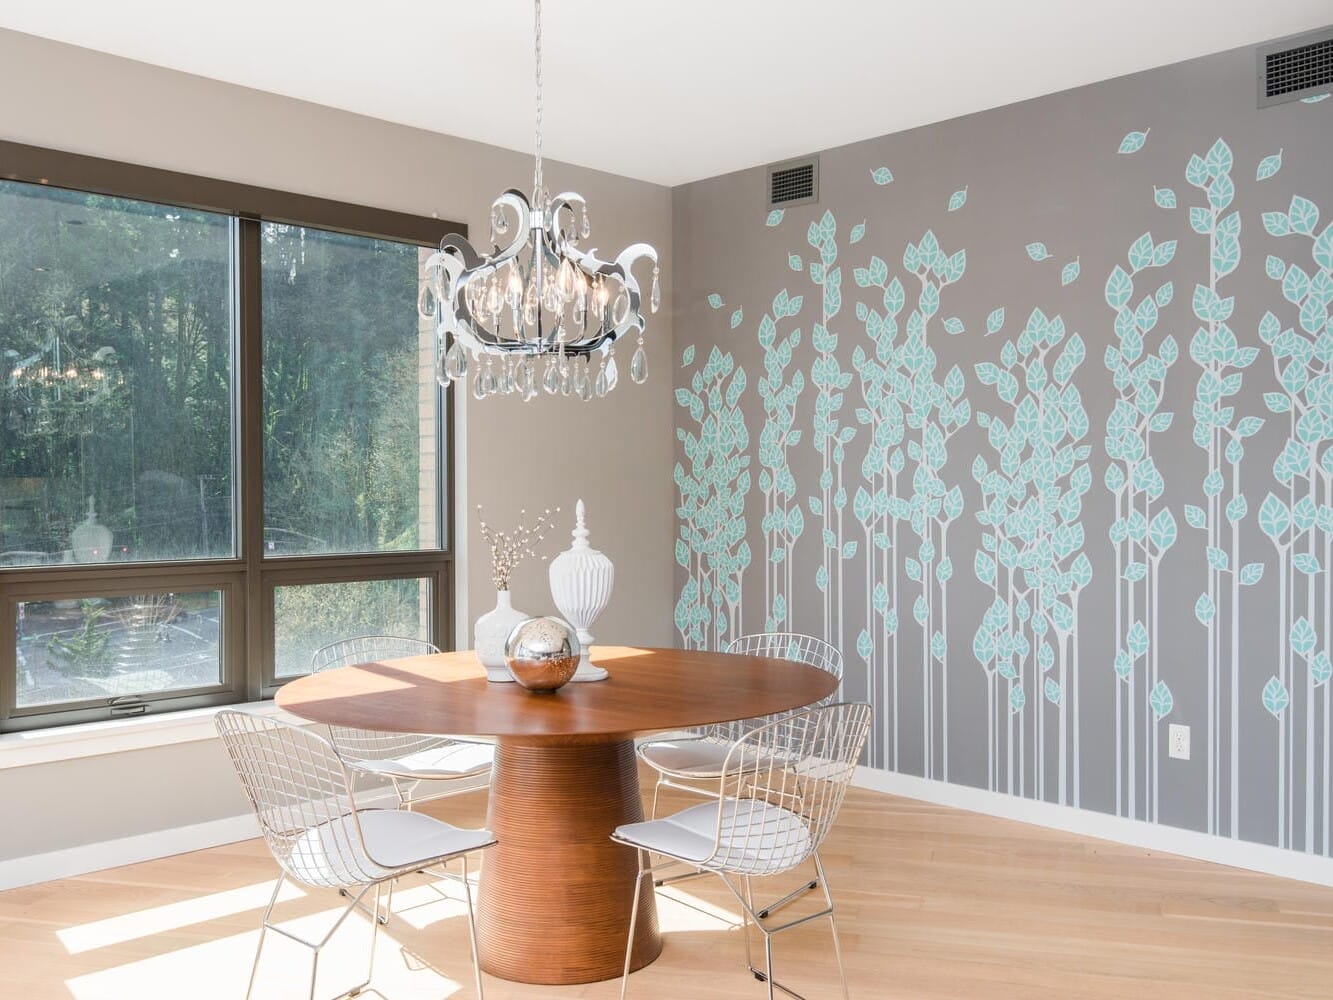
<point>509,548</point>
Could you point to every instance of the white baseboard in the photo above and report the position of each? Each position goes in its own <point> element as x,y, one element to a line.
<point>1136,833</point>
<point>85,858</point>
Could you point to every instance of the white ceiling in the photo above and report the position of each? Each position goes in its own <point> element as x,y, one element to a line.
<point>670,91</point>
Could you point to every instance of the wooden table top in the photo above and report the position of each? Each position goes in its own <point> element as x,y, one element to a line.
<point>649,690</point>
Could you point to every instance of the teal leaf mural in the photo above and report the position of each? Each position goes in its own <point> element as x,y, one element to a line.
<point>1037,251</point>
<point>995,321</point>
<point>1314,99</point>
<point>882,175</point>
<point>715,300</point>
<point>736,318</point>
<point>687,356</point>
<point>1268,166</point>
<point>1133,141</point>
<point>1160,700</point>
<point>1275,696</point>
<point>1069,273</point>
<point>1164,197</point>
<point>957,200</point>
<point>774,218</point>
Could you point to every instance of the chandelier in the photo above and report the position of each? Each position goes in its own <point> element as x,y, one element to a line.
<point>540,312</point>
<point>53,388</point>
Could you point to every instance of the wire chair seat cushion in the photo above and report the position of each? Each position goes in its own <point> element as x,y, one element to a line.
<point>687,757</point>
<point>754,837</point>
<point>702,752</point>
<point>442,760</point>
<point>392,841</point>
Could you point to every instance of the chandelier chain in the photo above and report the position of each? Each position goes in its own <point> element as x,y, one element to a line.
<point>537,56</point>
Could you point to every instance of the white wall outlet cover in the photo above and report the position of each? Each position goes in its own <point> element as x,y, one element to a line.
<point>1178,739</point>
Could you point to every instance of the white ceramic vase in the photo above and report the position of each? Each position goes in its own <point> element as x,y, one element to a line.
<point>581,582</point>
<point>489,635</point>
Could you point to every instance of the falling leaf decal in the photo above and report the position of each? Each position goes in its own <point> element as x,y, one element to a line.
<point>795,263</point>
<point>1133,141</point>
<point>1165,197</point>
<point>774,217</point>
<point>1275,696</point>
<point>1268,166</point>
<point>882,175</point>
<point>1037,251</point>
<point>1069,273</point>
<point>994,321</point>
<point>687,357</point>
<point>858,232</point>
<point>715,300</point>
<point>1161,700</point>
<point>1314,99</point>
<point>957,200</point>
<point>736,318</point>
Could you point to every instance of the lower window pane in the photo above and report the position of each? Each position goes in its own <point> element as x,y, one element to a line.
<point>109,647</point>
<point>313,615</point>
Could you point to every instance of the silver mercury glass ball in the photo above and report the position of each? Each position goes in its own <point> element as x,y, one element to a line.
<point>542,653</point>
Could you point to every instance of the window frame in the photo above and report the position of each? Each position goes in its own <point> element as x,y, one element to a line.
<point>247,579</point>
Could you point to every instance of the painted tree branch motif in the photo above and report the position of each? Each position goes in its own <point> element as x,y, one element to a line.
<point>783,521</point>
<point>712,547</point>
<point>882,415</point>
<point>830,437</point>
<point>1032,554</point>
<point>1140,533</point>
<point>1301,526</point>
<point>934,412</point>
<point>1222,361</point>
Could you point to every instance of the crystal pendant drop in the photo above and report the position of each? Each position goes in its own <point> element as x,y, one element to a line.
<point>586,231</point>
<point>584,388</point>
<point>566,383</point>
<point>551,380</point>
<point>612,372</point>
<point>455,361</point>
<point>479,385</point>
<point>488,382</point>
<point>426,302</point>
<point>580,379</point>
<point>638,365</point>
<point>655,301</point>
<point>603,386</point>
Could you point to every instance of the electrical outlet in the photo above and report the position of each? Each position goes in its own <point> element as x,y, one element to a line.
<point>1179,739</point>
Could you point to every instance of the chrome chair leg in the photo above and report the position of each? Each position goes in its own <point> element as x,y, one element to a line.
<point>472,930</point>
<point>833,925</point>
<point>263,930</point>
<point>633,919</point>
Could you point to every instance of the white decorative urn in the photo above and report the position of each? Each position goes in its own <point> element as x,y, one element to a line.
<point>581,581</point>
<point>489,635</point>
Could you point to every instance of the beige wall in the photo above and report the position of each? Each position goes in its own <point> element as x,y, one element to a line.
<point>616,453</point>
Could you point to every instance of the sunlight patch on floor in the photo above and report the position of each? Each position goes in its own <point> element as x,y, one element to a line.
<point>678,910</point>
<point>219,969</point>
<point>172,916</point>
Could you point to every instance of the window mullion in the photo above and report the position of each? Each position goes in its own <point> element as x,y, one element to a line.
<point>251,658</point>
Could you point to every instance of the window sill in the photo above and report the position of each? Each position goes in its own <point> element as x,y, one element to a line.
<point>93,739</point>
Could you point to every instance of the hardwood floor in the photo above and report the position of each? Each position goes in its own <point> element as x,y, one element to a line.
<point>932,903</point>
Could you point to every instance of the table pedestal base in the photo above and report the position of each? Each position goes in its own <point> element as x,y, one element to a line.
<point>555,891</point>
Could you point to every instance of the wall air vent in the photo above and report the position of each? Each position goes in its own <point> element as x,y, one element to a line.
<point>795,182</point>
<point>1296,67</point>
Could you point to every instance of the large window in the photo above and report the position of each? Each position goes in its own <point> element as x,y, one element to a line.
<point>221,439</point>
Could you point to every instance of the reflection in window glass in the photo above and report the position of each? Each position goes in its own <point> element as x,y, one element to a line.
<point>115,379</point>
<point>349,396</point>
<point>308,617</point>
<point>110,647</point>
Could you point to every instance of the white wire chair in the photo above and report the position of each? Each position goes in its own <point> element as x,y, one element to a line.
<point>778,795</point>
<point>699,755</point>
<point>302,796</point>
<point>404,759</point>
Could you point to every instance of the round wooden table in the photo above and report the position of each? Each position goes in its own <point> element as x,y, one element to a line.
<point>555,890</point>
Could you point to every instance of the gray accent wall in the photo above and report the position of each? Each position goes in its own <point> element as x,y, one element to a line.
<point>1030,416</point>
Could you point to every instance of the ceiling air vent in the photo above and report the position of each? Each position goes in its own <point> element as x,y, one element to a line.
<point>795,182</point>
<point>1296,67</point>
